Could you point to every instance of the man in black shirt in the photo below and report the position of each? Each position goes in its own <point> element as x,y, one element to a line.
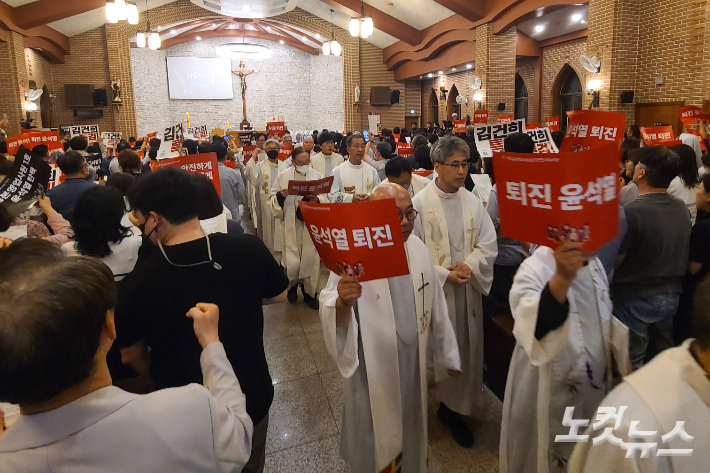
<point>237,273</point>
<point>647,286</point>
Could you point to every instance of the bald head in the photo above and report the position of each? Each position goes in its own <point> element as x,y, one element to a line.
<point>403,201</point>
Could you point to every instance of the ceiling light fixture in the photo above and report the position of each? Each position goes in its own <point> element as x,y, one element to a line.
<point>173,31</point>
<point>441,72</point>
<point>583,21</point>
<point>119,10</point>
<point>214,25</point>
<point>198,38</point>
<point>469,66</point>
<point>317,36</point>
<point>148,37</point>
<point>243,51</point>
<point>332,46</point>
<point>304,38</point>
<point>453,69</point>
<point>539,28</point>
<point>576,17</point>
<point>281,41</point>
<point>246,8</point>
<point>363,25</point>
<point>268,28</point>
<point>430,75</point>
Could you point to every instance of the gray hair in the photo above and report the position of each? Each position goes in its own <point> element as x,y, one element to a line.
<point>470,129</point>
<point>306,137</point>
<point>447,146</point>
<point>274,141</point>
<point>350,139</point>
<point>286,135</point>
<point>418,141</point>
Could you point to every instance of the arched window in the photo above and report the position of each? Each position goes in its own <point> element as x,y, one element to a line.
<point>521,98</point>
<point>433,107</point>
<point>451,105</point>
<point>568,94</point>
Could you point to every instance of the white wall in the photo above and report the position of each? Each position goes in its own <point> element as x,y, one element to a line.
<point>307,90</point>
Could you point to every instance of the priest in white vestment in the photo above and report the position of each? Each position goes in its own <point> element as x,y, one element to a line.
<point>568,344</point>
<point>258,156</point>
<point>461,242</point>
<point>327,160</point>
<point>354,180</point>
<point>299,255</point>
<point>262,176</point>
<point>399,171</point>
<point>672,388</point>
<point>377,332</point>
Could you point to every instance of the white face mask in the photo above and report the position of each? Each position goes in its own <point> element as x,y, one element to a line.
<point>303,169</point>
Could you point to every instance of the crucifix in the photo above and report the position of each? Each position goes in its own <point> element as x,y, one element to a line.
<point>243,72</point>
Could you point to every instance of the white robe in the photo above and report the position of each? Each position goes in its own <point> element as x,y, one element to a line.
<point>418,184</point>
<point>325,164</point>
<point>456,227</point>
<point>262,177</point>
<point>569,366</point>
<point>672,387</point>
<point>299,255</point>
<point>352,179</point>
<point>249,168</point>
<point>382,354</point>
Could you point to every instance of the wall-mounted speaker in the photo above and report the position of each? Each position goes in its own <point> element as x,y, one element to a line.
<point>88,113</point>
<point>627,96</point>
<point>395,96</point>
<point>100,98</point>
<point>501,106</point>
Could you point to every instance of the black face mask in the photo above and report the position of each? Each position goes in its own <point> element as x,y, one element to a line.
<point>272,154</point>
<point>141,227</point>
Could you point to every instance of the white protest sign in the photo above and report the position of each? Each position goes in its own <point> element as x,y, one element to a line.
<point>489,138</point>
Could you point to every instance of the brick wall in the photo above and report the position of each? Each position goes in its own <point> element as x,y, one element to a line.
<point>14,80</point>
<point>39,69</point>
<point>87,64</point>
<point>495,65</point>
<point>458,79</point>
<point>554,58</point>
<point>525,66</point>
<point>412,101</point>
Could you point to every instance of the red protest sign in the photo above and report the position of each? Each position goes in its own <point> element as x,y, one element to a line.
<point>13,144</point>
<point>588,129</point>
<point>422,172</point>
<point>150,136</point>
<point>56,177</point>
<point>362,240</point>
<point>248,153</point>
<point>695,132</point>
<point>404,150</point>
<point>304,188</point>
<point>205,163</point>
<point>285,152</point>
<point>533,125</point>
<point>481,116</point>
<point>230,164</point>
<point>396,137</point>
<point>553,123</point>
<point>656,135</point>
<point>459,126</point>
<point>276,128</point>
<point>504,118</point>
<point>691,114</point>
<point>553,198</point>
<point>32,138</point>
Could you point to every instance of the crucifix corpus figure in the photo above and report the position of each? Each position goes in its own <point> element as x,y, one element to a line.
<point>243,72</point>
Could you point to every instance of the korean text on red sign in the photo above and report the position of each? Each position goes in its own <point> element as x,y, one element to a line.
<point>404,150</point>
<point>276,128</point>
<point>504,118</point>
<point>656,135</point>
<point>481,116</point>
<point>285,152</point>
<point>489,138</point>
<point>589,129</point>
<point>363,239</point>
<point>205,163</point>
<point>459,126</point>
<point>304,188</point>
<point>553,198</point>
<point>31,139</point>
<point>248,153</point>
<point>553,123</point>
<point>691,114</point>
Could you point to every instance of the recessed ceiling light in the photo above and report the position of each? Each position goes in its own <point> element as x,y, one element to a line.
<point>583,21</point>
<point>268,28</point>
<point>469,66</point>
<point>430,75</point>
<point>39,49</point>
<point>281,41</point>
<point>173,31</point>
<point>317,36</point>
<point>304,38</point>
<point>198,38</point>
<point>246,8</point>
<point>158,28</point>
<point>576,17</point>
<point>539,28</point>
<point>453,69</point>
<point>214,25</point>
<point>441,72</point>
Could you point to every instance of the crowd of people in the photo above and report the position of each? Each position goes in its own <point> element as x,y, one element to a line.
<point>129,288</point>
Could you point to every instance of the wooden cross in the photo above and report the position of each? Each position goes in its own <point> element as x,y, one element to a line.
<point>243,72</point>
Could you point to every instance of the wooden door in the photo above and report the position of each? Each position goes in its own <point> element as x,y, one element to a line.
<point>666,113</point>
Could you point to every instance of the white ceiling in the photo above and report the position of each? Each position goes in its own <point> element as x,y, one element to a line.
<point>419,14</point>
<point>556,23</point>
<point>255,8</point>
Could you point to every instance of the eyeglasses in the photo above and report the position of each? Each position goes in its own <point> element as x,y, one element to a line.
<point>411,215</point>
<point>456,166</point>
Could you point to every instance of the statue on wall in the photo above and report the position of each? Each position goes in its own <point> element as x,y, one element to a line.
<point>243,72</point>
<point>357,94</point>
<point>116,87</point>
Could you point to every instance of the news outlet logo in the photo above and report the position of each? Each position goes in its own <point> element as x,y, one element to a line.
<point>605,415</point>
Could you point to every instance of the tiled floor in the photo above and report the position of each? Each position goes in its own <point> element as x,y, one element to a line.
<point>305,420</point>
